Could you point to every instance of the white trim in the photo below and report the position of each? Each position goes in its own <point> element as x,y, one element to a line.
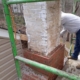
<point>4,33</point>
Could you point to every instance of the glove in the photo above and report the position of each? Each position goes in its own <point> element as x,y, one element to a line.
<point>63,32</point>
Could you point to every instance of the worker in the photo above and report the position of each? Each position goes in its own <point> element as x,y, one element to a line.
<point>71,23</point>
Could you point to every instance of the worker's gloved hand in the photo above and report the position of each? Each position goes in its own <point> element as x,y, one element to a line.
<point>61,34</point>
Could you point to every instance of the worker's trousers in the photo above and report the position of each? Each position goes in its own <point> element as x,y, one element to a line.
<point>77,46</point>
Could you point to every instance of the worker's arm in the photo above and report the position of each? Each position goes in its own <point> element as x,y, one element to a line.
<point>63,32</point>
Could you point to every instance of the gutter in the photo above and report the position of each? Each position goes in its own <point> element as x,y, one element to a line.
<point>4,33</point>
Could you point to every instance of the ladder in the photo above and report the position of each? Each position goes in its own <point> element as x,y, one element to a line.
<point>6,4</point>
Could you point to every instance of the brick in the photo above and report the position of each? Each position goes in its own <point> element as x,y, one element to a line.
<point>54,59</point>
<point>30,74</point>
<point>27,77</point>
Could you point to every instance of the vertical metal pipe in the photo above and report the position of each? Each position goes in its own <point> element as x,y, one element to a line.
<point>11,36</point>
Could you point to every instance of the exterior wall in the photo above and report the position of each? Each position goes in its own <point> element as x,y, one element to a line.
<point>0,1</point>
<point>69,6</point>
<point>2,17</point>
<point>7,65</point>
<point>17,11</point>
<point>17,8</point>
<point>43,24</point>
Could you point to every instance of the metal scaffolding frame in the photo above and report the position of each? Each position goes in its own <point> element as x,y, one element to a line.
<point>6,4</point>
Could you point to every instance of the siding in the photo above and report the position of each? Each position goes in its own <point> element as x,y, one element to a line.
<point>7,65</point>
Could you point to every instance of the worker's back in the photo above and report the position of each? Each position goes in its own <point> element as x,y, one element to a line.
<point>70,22</point>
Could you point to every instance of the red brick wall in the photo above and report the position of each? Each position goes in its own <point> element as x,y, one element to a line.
<point>55,59</point>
